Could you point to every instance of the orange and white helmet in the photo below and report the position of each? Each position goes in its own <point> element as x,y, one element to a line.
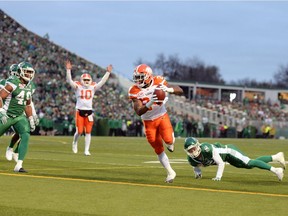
<point>86,79</point>
<point>142,75</point>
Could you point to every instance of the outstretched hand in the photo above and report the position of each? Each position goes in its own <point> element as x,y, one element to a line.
<point>166,89</point>
<point>68,65</point>
<point>109,68</point>
<point>153,99</point>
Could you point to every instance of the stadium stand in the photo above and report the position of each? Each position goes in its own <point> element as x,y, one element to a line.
<point>55,101</point>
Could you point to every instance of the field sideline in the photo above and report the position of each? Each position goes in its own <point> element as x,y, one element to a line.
<point>123,177</point>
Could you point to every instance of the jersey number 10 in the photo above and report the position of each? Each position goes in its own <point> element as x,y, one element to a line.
<point>86,94</point>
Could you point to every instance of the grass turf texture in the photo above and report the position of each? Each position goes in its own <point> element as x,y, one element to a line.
<point>123,177</point>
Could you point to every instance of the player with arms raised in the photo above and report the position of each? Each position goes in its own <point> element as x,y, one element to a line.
<point>84,91</point>
<point>153,113</point>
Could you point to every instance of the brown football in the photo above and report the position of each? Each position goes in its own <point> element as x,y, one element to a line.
<point>160,94</point>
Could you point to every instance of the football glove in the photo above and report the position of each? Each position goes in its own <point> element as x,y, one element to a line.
<point>32,123</point>
<point>216,179</point>
<point>197,173</point>
<point>36,119</point>
<point>3,116</point>
<point>152,100</point>
<point>166,89</point>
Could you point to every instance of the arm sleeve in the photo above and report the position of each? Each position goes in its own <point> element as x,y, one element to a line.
<point>33,109</point>
<point>102,81</point>
<point>69,78</point>
<point>221,164</point>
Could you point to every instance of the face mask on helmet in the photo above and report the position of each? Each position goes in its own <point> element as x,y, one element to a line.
<point>192,147</point>
<point>86,79</point>
<point>142,75</point>
<point>26,71</point>
<point>13,70</point>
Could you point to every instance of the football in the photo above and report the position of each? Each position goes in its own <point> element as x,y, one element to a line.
<point>160,94</point>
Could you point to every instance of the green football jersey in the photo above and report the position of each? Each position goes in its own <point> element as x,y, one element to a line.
<point>206,157</point>
<point>21,93</point>
<point>2,83</point>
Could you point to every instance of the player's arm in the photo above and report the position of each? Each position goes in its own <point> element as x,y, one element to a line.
<point>172,89</point>
<point>4,92</point>
<point>176,89</point>
<point>139,108</point>
<point>105,77</point>
<point>29,114</point>
<point>34,114</point>
<point>220,163</point>
<point>28,108</point>
<point>68,74</point>
<point>197,172</point>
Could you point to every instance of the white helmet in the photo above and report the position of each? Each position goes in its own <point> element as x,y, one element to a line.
<point>192,147</point>
<point>26,71</point>
<point>86,79</point>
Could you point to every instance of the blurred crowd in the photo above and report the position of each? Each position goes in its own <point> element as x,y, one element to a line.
<point>54,100</point>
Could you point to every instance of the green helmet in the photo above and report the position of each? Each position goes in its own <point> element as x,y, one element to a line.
<point>13,70</point>
<point>192,147</point>
<point>26,71</point>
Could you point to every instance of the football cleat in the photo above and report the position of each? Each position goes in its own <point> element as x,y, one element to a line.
<point>74,148</point>
<point>170,148</point>
<point>19,169</point>
<point>22,170</point>
<point>280,158</point>
<point>9,153</point>
<point>279,173</point>
<point>87,153</point>
<point>171,176</point>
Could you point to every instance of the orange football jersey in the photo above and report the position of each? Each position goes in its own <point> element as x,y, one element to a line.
<point>144,95</point>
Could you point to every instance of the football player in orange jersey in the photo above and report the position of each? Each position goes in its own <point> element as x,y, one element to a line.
<point>154,115</point>
<point>84,92</point>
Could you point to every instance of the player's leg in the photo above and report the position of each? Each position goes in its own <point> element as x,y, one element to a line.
<point>9,151</point>
<point>167,133</point>
<point>22,127</point>
<point>88,129</point>
<point>279,172</point>
<point>79,121</point>
<point>238,159</point>
<point>155,140</point>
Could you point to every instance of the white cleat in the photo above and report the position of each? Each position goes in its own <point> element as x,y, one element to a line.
<point>279,173</point>
<point>170,178</point>
<point>15,157</point>
<point>74,148</point>
<point>280,158</point>
<point>170,147</point>
<point>87,153</point>
<point>9,153</point>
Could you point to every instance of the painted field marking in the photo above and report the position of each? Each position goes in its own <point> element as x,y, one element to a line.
<point>145,185</point>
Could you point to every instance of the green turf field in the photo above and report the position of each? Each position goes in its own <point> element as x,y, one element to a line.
<point>123,177</point>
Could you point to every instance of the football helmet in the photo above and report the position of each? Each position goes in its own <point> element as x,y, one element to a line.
<point>86,79</point>
<point>13,70</point>
<point>26,71</point>
<point>142,75</point>
<point>192,147</point>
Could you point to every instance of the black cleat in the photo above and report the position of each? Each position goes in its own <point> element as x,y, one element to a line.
<point>22,170</point>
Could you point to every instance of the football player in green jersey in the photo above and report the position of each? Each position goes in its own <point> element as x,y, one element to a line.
<point>10,152</point>
<point>13,71</point>
<point>15,99</point>
<point>206,154</point>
